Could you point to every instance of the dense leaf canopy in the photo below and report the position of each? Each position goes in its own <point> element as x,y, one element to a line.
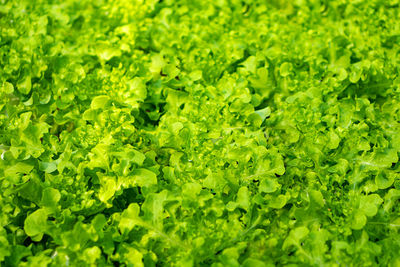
<point>199,133</point>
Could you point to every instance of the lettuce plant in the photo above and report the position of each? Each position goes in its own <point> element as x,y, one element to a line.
<point>199,133</point>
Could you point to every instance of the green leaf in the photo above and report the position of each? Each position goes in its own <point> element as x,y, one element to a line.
<point>269,185</point>
<point>89,115</point>
<point>369,204</point>
<point>176,127</point>
<point>262,80</point>
<point>191,189</point>
<point>144,177</point>
<point>334,140</point>
<point>47,167</point>
<point>263,113</point>
<point>278,202</point>
<point>19,167</point>
<point>153,207</point>
<point>138,88</point>
<point>31,190</point>
<point>129,218</point>
<point>36,224</point>
<point>136,156</point>
<point>359,220</point>
<point>91,254</point>
<point>340,167</point>
<point>285,69</point>
<point>50,197</point>
<point>106,52</point>
<point>24,85</point>
<point>355,73</point>
<point>385,158</point>
<point>215,181</point>
<point>99,102</point>
<point>107,189</point>
<point>5,248</point>
<point>99,222</point>
<point>295,237</point>
<point>317,198</point>
<point>250,64</point>
<point>132,257</point>
<point>8,88</point>
<point>384,179</point>
<point>157,63</point>
<point>196,75</point>
<point>243,198</point>
<point>342,74</point>
<point>390,199</point>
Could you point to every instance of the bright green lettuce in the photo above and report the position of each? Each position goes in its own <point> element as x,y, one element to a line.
<point>199,133</point>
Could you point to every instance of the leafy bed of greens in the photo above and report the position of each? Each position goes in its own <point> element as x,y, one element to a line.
<point>199,133</point>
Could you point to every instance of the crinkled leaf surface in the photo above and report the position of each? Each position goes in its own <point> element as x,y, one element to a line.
<point>199,133</point>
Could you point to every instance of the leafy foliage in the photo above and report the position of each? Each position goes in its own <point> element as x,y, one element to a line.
<point>199,133</point>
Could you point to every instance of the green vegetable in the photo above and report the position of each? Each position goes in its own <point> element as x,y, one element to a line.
<point>199,133</point>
